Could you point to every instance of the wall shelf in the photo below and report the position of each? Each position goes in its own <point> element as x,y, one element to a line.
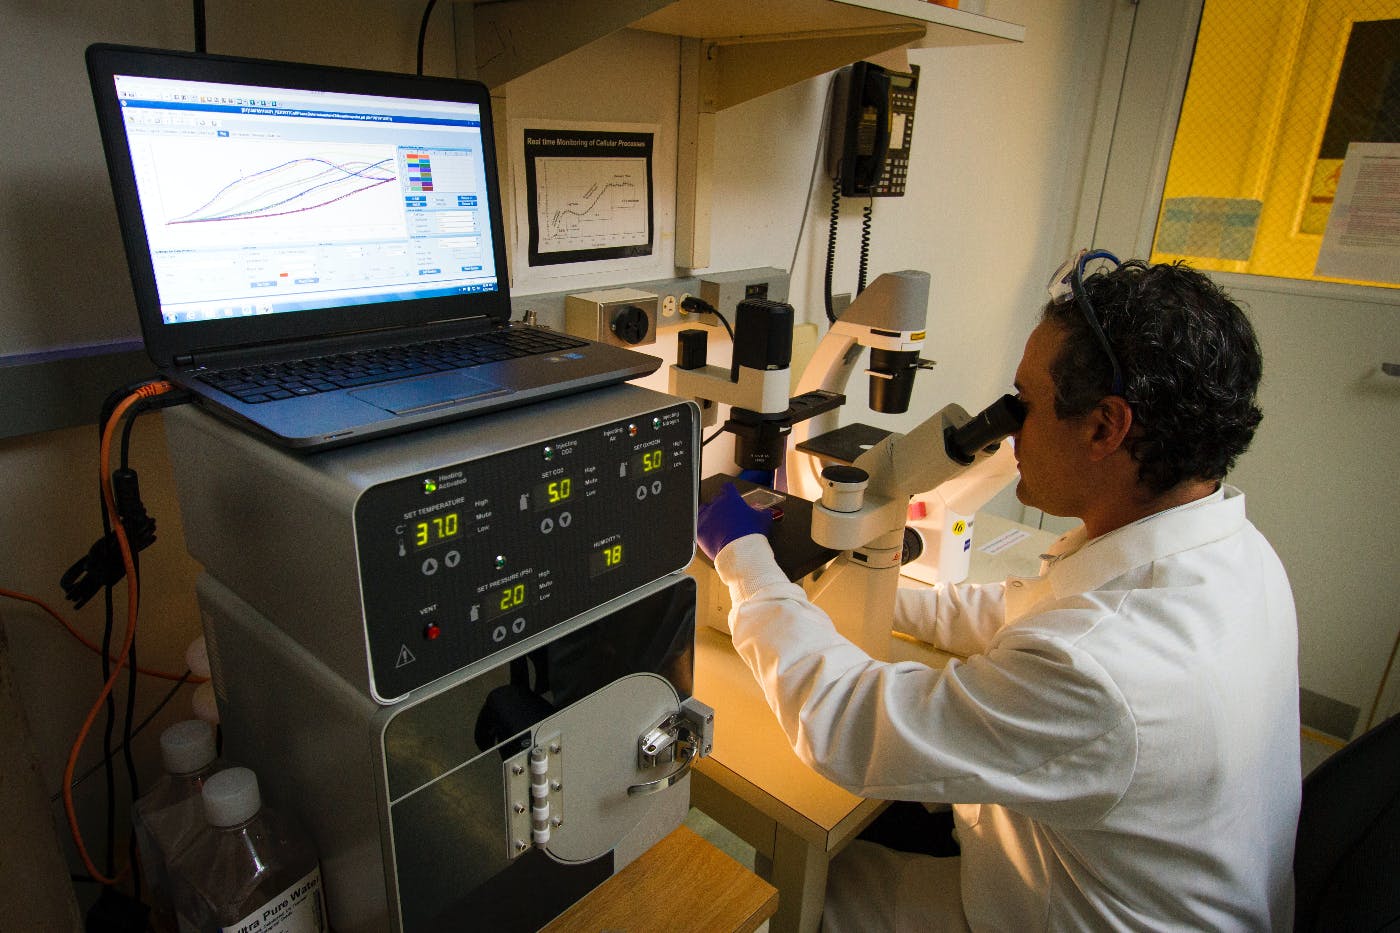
<point>731,51</point>
<point>504,39</point>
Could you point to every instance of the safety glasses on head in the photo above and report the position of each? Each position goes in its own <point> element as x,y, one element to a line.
<point>1067,283</point>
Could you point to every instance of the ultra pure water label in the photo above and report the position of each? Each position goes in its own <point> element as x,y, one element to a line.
<point>299,909</point>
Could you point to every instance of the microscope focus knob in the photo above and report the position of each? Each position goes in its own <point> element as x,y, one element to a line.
<point>843,487</point>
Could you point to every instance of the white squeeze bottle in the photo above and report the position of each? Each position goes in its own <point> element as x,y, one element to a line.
<point>168,817</point>
<point>250,869</point>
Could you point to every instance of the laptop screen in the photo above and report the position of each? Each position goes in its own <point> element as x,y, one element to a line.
<point>261,200</point>
<point>275,201</point>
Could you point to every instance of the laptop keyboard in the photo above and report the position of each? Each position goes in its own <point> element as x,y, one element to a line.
<point>266,383</point>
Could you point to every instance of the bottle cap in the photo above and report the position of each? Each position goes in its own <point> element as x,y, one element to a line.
<point>204,705</point>
<point>231,797</point>
<point>187,746</point>
<point>197,657</point>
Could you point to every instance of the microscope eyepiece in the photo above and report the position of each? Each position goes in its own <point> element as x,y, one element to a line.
<point>998,420</point>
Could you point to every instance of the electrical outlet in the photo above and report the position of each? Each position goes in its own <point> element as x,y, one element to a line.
<point>623,317</point>
<point>724,290</point>
<point>694,318</point>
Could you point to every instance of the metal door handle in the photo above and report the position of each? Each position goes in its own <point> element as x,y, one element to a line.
<point>660,784</point>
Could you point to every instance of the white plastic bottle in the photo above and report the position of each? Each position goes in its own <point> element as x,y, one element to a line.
<point>250,869</point>
<point>169,816</point>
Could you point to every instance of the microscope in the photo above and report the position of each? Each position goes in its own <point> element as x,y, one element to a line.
<point>755,386</point>
<point>842,529</point>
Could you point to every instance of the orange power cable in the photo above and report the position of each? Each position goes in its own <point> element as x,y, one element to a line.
<point>95,649</point>
<point>150,390</point>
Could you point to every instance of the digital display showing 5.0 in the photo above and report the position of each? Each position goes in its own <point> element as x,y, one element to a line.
<point>648,461</point>
<point>553,493</point>
<point>436,530</point>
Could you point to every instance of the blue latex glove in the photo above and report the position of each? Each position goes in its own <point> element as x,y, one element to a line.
<point>759,477</point>
<point>726,518</point>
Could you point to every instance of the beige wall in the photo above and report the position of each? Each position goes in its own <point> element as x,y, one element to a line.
<point>999,142</point>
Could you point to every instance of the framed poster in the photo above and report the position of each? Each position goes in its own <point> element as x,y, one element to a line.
<point>586,197</point>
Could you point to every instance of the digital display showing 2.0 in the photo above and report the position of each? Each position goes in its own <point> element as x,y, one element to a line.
<point>508,598</point>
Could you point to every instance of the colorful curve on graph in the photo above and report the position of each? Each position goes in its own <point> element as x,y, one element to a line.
<point>292,187</point>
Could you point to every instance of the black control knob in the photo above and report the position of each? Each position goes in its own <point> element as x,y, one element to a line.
<point>631,324</point>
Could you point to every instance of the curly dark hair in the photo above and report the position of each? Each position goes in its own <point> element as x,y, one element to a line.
<point>1190,363</point>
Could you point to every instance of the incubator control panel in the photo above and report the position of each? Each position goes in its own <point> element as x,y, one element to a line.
<point>462,562</point>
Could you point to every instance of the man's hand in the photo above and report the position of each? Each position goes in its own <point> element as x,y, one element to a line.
<point>726,518</point>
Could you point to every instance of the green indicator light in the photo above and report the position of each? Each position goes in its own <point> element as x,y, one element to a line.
<point>429,485</point>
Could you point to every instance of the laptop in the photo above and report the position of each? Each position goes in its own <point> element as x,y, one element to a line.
<point>317,253</point>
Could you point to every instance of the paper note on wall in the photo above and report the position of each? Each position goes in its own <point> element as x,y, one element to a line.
<point>1362,242</point>
<point>1211,228</point>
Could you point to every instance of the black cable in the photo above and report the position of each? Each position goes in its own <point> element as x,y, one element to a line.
<point>701,306</point>
<point>103,563</point>
<point>423,31</point>
<point>867,214</point>
<point>131,513</point>
<point>165,701</point>
<point>723,320</point>
<point>108,626</point>
<point>707,440</point>
<point>133,783</point>
<point>831,244</point>
<point>107,582</point>
<point>823,142</point>
<point>111,705</point>
<point>200,28</point>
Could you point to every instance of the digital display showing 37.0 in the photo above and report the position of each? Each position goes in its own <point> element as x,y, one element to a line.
<point>436,530</point>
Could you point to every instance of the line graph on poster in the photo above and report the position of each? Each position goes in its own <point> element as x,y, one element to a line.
<point>586,194</point>
<point>591,203</point>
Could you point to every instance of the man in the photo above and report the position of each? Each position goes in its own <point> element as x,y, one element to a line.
<point>1121,743</point>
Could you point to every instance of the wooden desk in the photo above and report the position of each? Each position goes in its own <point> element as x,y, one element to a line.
<point>682,884</point>
<point>753,783</point>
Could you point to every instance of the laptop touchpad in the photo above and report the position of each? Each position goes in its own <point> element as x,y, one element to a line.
<point>428,392</point>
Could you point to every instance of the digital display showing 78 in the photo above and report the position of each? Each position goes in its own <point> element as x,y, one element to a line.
<point>606,558</point>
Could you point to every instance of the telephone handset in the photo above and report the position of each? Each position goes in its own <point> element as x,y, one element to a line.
<point>872,128</point>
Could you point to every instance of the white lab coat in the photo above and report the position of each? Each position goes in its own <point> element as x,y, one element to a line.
<point>1121,742</point>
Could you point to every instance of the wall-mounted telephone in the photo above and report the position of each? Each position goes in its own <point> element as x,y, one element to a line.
<point>872,128</point>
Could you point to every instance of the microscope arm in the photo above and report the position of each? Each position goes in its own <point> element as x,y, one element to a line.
<point>863,509</point>
<point>888,318</point>
<point>764,391</point>
<point>830,368</point>
<point>899,467</point>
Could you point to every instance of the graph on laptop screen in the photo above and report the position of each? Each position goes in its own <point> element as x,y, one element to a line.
<point>264,200</point>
